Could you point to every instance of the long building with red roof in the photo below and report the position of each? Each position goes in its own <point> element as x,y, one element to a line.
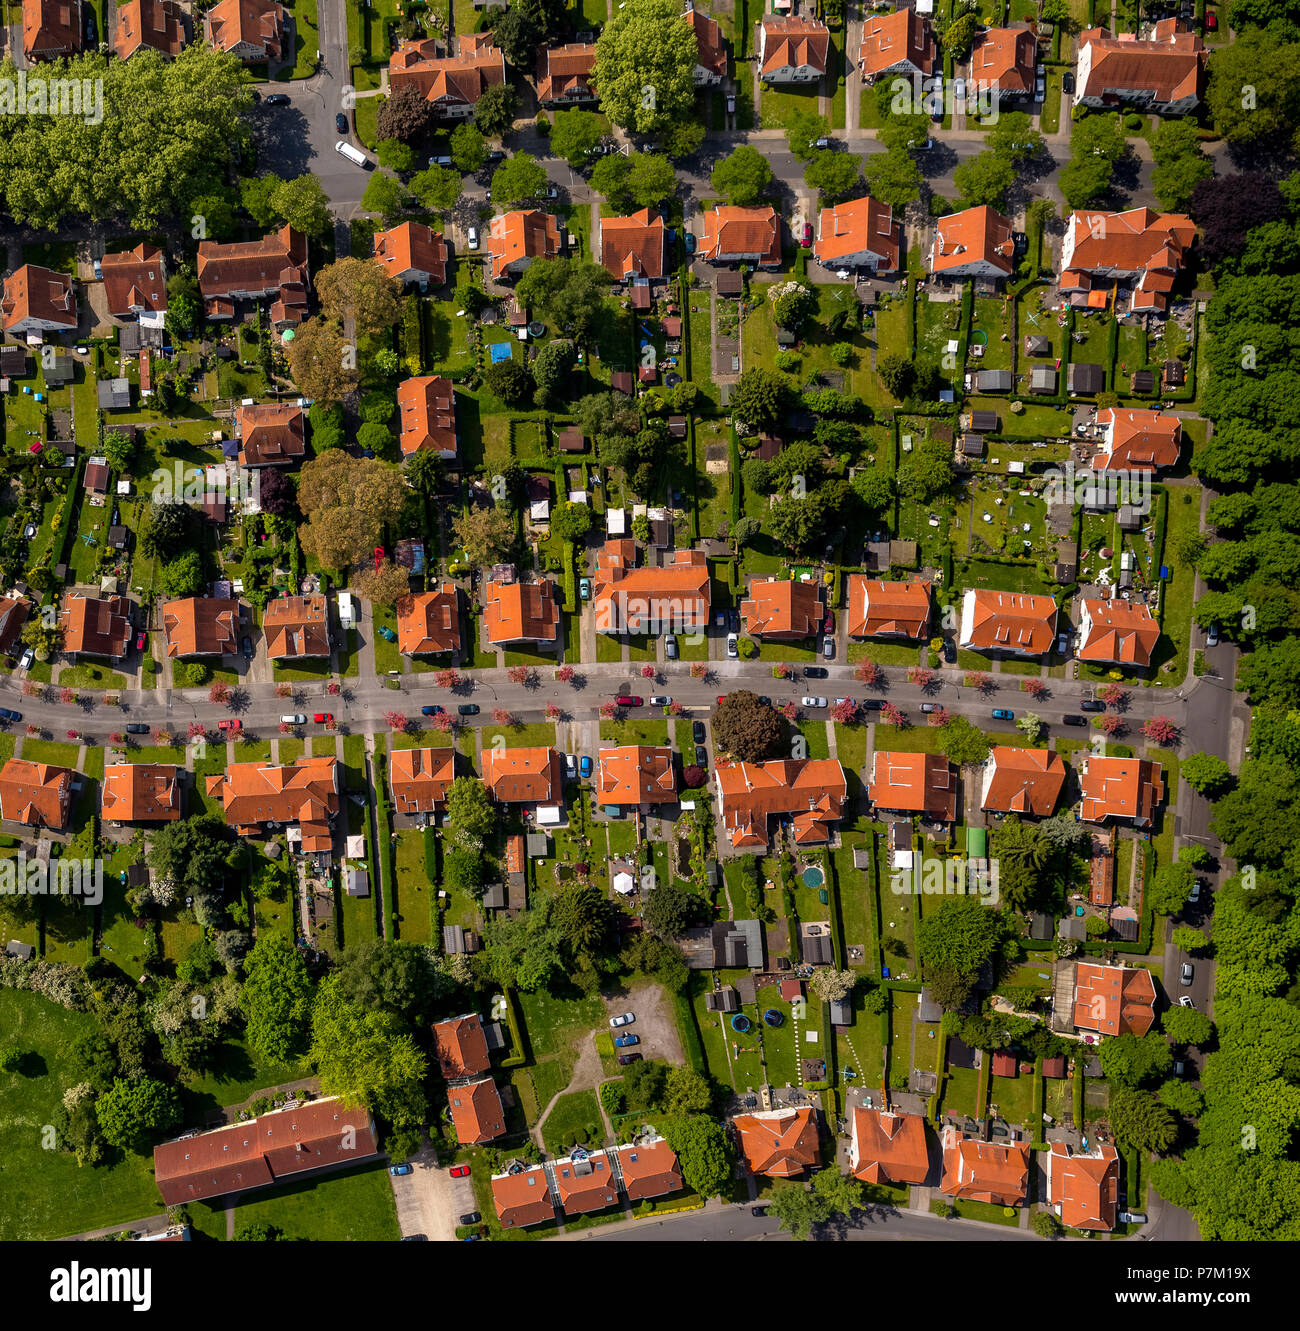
<point>779,1143</point>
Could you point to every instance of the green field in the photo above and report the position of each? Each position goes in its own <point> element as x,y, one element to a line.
<point>354,1205</point>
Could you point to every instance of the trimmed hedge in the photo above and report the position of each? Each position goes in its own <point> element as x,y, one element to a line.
<point>521,1051</point>
<point>690,1031</point>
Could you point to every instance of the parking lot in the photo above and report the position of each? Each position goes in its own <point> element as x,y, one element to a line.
<point>654,1026</point>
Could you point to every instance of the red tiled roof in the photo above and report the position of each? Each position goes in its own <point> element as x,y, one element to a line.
<point>460,1046</point>
<point>411,252</point>
<point>811,789</point>
<point>793,43</point>
<point>627,599</point>
<point>780,1143</point>
<point>730,234</point>
<point>253,29</point>
<point>864,226</point>
<point>1129,788</point>
<point>305,792</point>
<point>141,793</point>
<point>419,778</point>
<point>1137,440</point>
<point>36,794</point>
<point>1113,68</point>
<point>51,28</point>
<point>1140,243</point>
<point>993,621</point>
<point>428,413</point>
<point>711,54</point>
<point>448,81</point>
<point>923,783</point>
<point>429,622</point>
<point>519,237</point>
<point>984,1171</point>
<point>201,626</point>
<point>1004,1064</point>
<point>1122,632</point>
<point>1023,781</point>
<point>296,626</point>
<point>634,246</point>
<point>476,1112</point>
<point>520,612</point>
<point>565,73</point>
<point>263,1150</point>
<point>1085,1187</point>
<point>585,1185</point>
<point>523,776</point>
<point>13,615</point>
<point>271,434</point>
<point>635,774</point>
<point>887,609</point>
<point>96,627</point>
<point>649,1171</point>
<point>1113,1000</point>
<point>152,23</point>
<point>1003,58</point>
<point>782,608</point>
<point>972,237</point>
<point>523,1198</point>
<point>257,266</point>
<point>887,1147</point>
<point>40,295</point>
<point>898,41</point>
<point>135,280</point>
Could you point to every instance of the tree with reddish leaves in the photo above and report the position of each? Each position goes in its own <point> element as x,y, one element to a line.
<point>920,676</point>
<point>978,679</point>
<point>674,709</point>
<point>285,728</point>
<point>331,724</point>
<point>446,679</point>
<point>443,722</point>
<point>780,672</point>
<point>334,688</point>
<point>162,737</point>
<point>939,718</point>
<point>503,717</point>
<point>867,672</point>
<point>694,777</point>
<point>845,712</point>
<point>648,672</point>
<point>283,691</point>
<point>1114,695</point>
<point>67,697</point>
<point>116,737</point>
<point>699,670</point>
<point>895,716</point>
<point>396,721</point>
<point>553,711</point>
<point>1161,729</point>
<point>565,674</point>
<point>1034,687</point>
<point>197,729</point>
<point>276,492</point>
<point>790,711</point>
<point>1110,724</point>
<point>33,731</point>
<point>31,689</point>
<point>607,711</point>
<point>219,693</point>
<point>72,734</point>
<point>518,674</point>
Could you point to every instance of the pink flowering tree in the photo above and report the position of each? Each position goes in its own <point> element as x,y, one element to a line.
<point>674,709</point>
<point>1161,729</point>
<point>33,731</point>
<point>607,710</point>
<point>1110,724</point>
<point>699,670</point>
<point>72,734</point>
<point>446,679</point>
<point>790,711</point>
<point>116,737</point>
<point>517,674</point>
<point>648,672</point>
<point>780,672</point>
<point>978,679</point>
<point>443,722</point>
<point>162,736</point>
<point>67,697</point>
<point>285,728</point>
<point>197,729</point>
<point>894,715</point>
<point>1114,695</point>
<point>939,718</point>
<point>503,717</point>
<point>396,721</point>
<point>845,712</point>
<point>1034,687</point>
<point>31,689</point>
<point>283,691</point>
<point>565,674</point>
<point>867,672</point>
<point>219,693</point>
<point>553,711</point>
<point>920,676</point>
<point>334,688</point>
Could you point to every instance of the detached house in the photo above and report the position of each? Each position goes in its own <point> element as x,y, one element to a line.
<point>913,783</point>
<point>792,50</point>
<point>428,623</point>
<point>302,795</point>
<point>635,776</point>
<point>1003,59</point>
<point>782,609</point>
<point>1113,1000</point>
<point>275,266</point>
<point>898,43</point>
<point>1010,623</point>
<point>635,246</point>
<point>859,234</point>
<point>974,243</point>
<point>1137,440</point>
<point>711,57</point>
<point>741,235</point>
<point>1083,1188</point>
<point>412,252</point>
<point>1127,789</point>
<point>427,407</point>
<point>420,779</point>
<point>13,615</point>
<point>780,1143</point>
<point>270,434</point>
<point>1161,75</point>
<point>460,1047</point>
<point>201,626</point>
<point>92,627</point>
<point>476,1112</point>
<point>1140,246</point>
<point>564,75</point>
<point>51,29</point>
<point>887,609</point>
<point>978,1171</point>
<point>524,776</point>
<point>673,597</point>
<point>36,794</point>
<point>135,283</point>
<point>253,30</point>
<point>521,612</point>
<point>156,24</point>
<point>810,792</point>
<point>38,300</point>
<point>141,793</point>
<point>296,626</point>
<point>885,1147</point>
<point>515,239</point>
<point>1117,632</point>
<point>1023,781</point>
<point>450,84</point>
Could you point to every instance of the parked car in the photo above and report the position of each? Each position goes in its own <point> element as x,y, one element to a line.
<point>625,1019</point>
<point>670,646</point>
<point>1195,894</point>
<point>629,700</point>
<point>139,641</point>
<point>471,1218</point>
<point>386,633</point>
<point>1040,87</point>
<point>815,672</point>
<point>247,646</point>
<point>230,725</point>
<point>829,624</point>
<point>1132,1218</point>
<point>949,652</point>
<point>7,715</point>
<point>1187,973</point>
<point>293,719</point>
<point>496,155</point>
<point>759,1212</point>
<point>625,1059</point>
<point>468,709</point>
<point>135,728</point>
<point>585,766</point>
<point>689,241</point>
<point>626,1041</point>
<point>813,702</point>
<point>341,123</point>
<point>731,103</point>
<point>459,1171</point>
<point>828,649</point>
<point>1180,1068</point>
<point>440,160</point>
<point>1003,714</point>
<point>806,236</point>
<point>276,99</point>
<point>698,733</point>
<point>1067,81</point>
<point>959,90</point>
<point>1211,21</point>
<point>765,700</point>
<point>400,1171</point>
<point>701,756</point>
<point>733,620</point>
<point>415,1238</point>
<point>570,767</point>
<point>660,700</point>
<point>733,645</point>
<point>929,706</point>
<point>1212,636</point>
<point>1091,705</point>
<point>1074,719</point>
<point>322,718</point>
<point>1063,644</point>
<point>584,589</point>
<point>872,704</point>
<point>435,710</point>
<point>471,237</point>
<point>25,661</point>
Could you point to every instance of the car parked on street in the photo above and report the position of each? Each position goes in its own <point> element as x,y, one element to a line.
<point>1074,719</point>
<point>230,725</point>
<point>1212,636</point>
<point>435,710</point>
<point>293,719</point>
<point>929,706</point>
<point>661,700</point>
<point>815,672</point>
<point>136,728</point>
<point>471,237</point>
<point>322,718</point>
<point>1003,714</point>
<point>585,766</point>
<point>468,709</point>
<point>7,715</point>
<point>698,732</point>
<point>629,700</point>
<point>1091,705</point>
<point>1185,1001</point>
<point>1187,974</point>
<point>341,123</point>
<point>872,704</point>
<point>812,702</point>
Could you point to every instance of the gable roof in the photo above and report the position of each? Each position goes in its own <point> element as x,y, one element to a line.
<point>1003,58</point>
<point>255,23</point>
<point>896,609</point>
<point>31,292</point>
<point>412,247</point>
<point>428,414</point>
<point>793,43</point>
<point>201,626</point>
<point>891,40</point>
<point>135,280</point>
<point>96,627</point>
<point>729,232</point>
<point>782,608</point>
<point>975,235</point>
<point>710,52</point>
<point>1119,788</point>
<point>1168,67</point>
<point>252,265</point>
<point>1123,632</point>
<point>993,621</point>
<point>862,226</point>
<point>1113,1000</point>
<point>564,71</point>
<point>141,793</point>
<point>460,1046</point>
<point>51,27</point>
<point>780,1143</point>
<point>1085,1187</point>
<point>1136,440</point>
<point>523,234</point>
<point>522,1198</point>
<point>305,792</point>
<point>448,80</point>
<point>630,599</point>
<point>476,1112</point>
<point>1022,781</point>
<point>271,434</point>
<point>13,615</point>
<point>523,776</point>
<point>813,790</point>
<point>36,794</point>
<point>635,774</point>
<point>296,626</point>
<point>585,1184</point>
<point>521,611</point>
<point>634,246</point>
<point>420,778</point>
<point>152,23</point>
<point>1140,242</point>
<point>429,622</point>
<point>924,783</point>
<point>649,1170</point>
<point>888,1147</point>
<point>984,1171</point>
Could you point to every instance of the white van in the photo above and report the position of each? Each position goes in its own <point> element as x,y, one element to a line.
<point>293,719</point>
<point>352,154</point>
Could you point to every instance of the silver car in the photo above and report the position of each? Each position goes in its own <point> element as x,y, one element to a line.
<point>813,702</point>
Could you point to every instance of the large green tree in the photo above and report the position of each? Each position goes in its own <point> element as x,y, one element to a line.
<point>276,998</point>
<point>133,1112</point>
<point>746,729</point>
<point>571,295</point>
<point>742,177</point>
<point>645,66</point>
<point>705,1151</point>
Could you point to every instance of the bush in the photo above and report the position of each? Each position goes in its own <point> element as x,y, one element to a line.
<point>748,649</point>
<point>790,361</point>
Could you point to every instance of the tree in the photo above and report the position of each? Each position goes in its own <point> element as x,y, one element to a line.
<point>570,294</point>
<point>359,289</point>
<point>1180,165</point>
<point>512,381</point>
<point>399,978</point>
<point>386,584</point>
<point>898,374</point>
<point>519,179</point>
<point>645,45</point>
<point>803,129</point>
<point>322,364</point>
<point>792,304</point>
<point>958,36</point>
<point>276,998</point>
<point>1046,1225</point>
<point>639,180</point>
<point>193,853</point>
<point>1015,138</point>
<point>494,112</point>
<point>485,534</point>
<point>985,179</point>
<point>218,214</point>
<point>570,522</point>
<point>1189,939</point>
<point>386,196</point>
<point>182,576</point>
<point>761,398</point>
<point>1185,1025</point>
<point>1171,885</point>
<point>1030,724</point>
<point>276,493</point>
<point>424,472</point>
<point>892,177</point>
<point>926,471</point>
<point>1180,1097</point>
<point>962,743</point>
<point>686,1092</point>
<point>131,1112</point>
<point>703,1149</point>
<point>551,371</point>
<point>468,148</point>
<point>518,36</point>
<point>1134,1060</point>
<point>746,729</point>
<point>1139,1120</point>
<point>798,1207</point>
<point>1268,63</point>
<point>404,115</point>
<point>830,985</point>
<point>1207,774</point>
<point>957,940</point>
<point>348,501</point>
<point>835,175</point>
<point>438,188</point>
<point>470,812</point>
<point>576,134</point>
<point>168,527</point>
<point>743,177</point>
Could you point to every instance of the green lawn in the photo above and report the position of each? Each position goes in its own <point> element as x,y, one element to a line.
<point>413,891</point>
<point>635,730</point>
<point>356,1205</point>
<point>575,1120</point>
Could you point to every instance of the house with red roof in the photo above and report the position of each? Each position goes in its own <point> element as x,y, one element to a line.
<point>879,609</point>
<point>1137,440</point>
<point>1007,623</point>
<point>1023,781</point>
<point>1117,632</point>
<point>668,597</point>
<point>974,243</point>
<point>1140,247</point>
<point>524,776</point>
<point>154,24</point>
<point>885,1147</point>
<point>782,609</point>
<point>275,266</point>
<point>96,626</point>
<point>1162,74</point>
<point>649,1169</point>
<point>303,795</point>
<point>741,235</point>
<point>1127,789</point>
<point>585,1182</point>
<point>141,793</point>
<point>564,75</point>
<point>521,612</point>
<point>427,408</point>
<point>270,434</point>
<point>635,776</point>
<point>779,1143</point>
<point>38,300</point>
<point>860,234</point>
<point>460,1047</point>
<point>451,84</point>
<point>1113,1000</point>
<point>634,246</point>
<point>1002,59</point>
<point>36,794</point>
<point>476,1112</point>
<point>514,240</point>
<point>51,29</point>
<point>711,57</point>
<point>253,30</point>
<point>296,626</point>
<point>792,49</point>
<point>420,779</point>
<point>428,623</point>
<point>1083,1187</point>
<point>13,615</point>
<point>412,252</point>
<point>811,791</point>
<point>899,43</point>
<point>913,783</point>
<point>522,1197</point>
<point>979,1171</point>
<point>135,281</point>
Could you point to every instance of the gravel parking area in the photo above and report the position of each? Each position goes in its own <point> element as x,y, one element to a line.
<point>654,1023</point>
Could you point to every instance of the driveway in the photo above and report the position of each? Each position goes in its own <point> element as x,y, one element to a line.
<point>654,1023</point>
<point>429,1201</point>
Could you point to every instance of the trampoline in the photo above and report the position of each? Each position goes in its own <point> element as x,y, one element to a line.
<point>740,1023</point>
<point>536,328</point>
<point>979,337</point>
<point>773,1018</point>
<point>500,351</point>
<point>813,876</point>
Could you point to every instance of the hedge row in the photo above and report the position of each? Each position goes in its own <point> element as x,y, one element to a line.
<point>690,1031</point>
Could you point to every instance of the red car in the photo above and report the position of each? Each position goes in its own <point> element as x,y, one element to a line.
<point>627,700</point>
<point>1211,22</point>
<point>830,621</point>
<point>722,697</point>
<point>321,718</point>
<point>139,642</point>
<point>806,237</point>
<point>459,1171</point>
<point>230,725</point>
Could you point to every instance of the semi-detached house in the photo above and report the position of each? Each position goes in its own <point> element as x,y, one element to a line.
<point>792,50</point>
<point>1162,75</point>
